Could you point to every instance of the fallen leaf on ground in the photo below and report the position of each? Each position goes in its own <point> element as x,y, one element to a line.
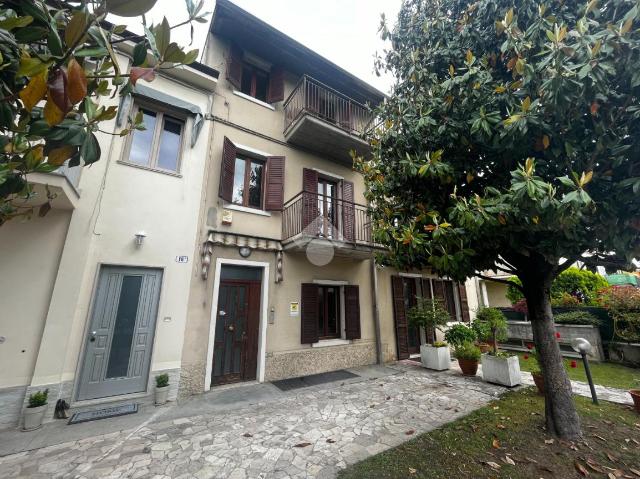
<point>246,434</point>
<point>493,465</point>
<point>501,426</point>
<point>594,466</point>
<point>533,461</point>
<point>412,470</point>
<point>581,469</point>
<point>549,441</point>
<point>600,437</point>
<point>495,443</point>
<point>302,444</point>
<point>409,432</point>
<point>635,471</point>
<point>508,460</point>
<point>611,457</point>
<point>331,441</point>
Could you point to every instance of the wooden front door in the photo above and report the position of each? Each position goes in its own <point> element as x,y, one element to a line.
<point>235,351</point>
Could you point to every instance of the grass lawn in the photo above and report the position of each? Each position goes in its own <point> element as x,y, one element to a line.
<point>506,439</point>
<point>605,374</point>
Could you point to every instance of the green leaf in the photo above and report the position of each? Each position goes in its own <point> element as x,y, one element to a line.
<point>75,28</point>
<point>15,22</point>
<point>139,53</point>
<point>31,66</point>
<point>97,52</point>
<point>162,34</point>
<point>90,149</point>
<point>190,56</point>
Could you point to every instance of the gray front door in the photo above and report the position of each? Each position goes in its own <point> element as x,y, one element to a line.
<point>120,336</point>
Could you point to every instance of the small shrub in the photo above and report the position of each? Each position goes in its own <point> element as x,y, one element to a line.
<point>580,284</point>
<point>521,306</point>
<point>492,326</point>
<point>38,398</point>
<point>439,344</point>
<point>458,334</point>
<point>429,314</point>
<point>468,351</point>
<point>577,317</point>
<point>162,380</point>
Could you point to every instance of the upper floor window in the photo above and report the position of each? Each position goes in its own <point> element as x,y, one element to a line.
<point>255,82</point>
<point>159,145</point>
<point>263,83</point>
<point>248,179</point>
<point>255,181</point>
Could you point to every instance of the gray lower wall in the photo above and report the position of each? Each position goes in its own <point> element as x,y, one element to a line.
<point>304,362</point>
<point>522,330</point>
<point>11,400</point>
<point>626,353</point>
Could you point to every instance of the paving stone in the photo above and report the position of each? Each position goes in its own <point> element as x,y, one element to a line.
<point>218,446</point>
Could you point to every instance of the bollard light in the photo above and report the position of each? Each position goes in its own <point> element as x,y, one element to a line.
<point>582,346</point>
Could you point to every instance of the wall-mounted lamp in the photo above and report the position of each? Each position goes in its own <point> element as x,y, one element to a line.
<point>140,236</point>
<point>245,251</point>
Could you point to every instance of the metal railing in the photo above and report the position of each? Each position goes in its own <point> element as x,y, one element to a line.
<point>321,101</point>
<point>320,216</point>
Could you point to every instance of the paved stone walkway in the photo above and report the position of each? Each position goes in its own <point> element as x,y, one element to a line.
<point>313,433</point>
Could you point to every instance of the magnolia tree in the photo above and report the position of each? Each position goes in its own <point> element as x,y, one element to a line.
<point>57,60</point>
<point>510,142</point>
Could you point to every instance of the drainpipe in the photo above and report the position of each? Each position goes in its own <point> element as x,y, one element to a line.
<point>376,311</point>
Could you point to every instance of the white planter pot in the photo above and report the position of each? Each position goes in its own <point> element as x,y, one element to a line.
<point>504,371</point>
<point>32,417</point>
<point>161,395</point>
<point>435,358</point>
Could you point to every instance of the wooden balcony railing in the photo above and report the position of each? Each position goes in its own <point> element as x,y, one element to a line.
<point>319,216</point>
<point>321,101</point>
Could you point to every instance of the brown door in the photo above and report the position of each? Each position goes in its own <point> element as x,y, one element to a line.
<point>410,301</point>
<point>235,351</point>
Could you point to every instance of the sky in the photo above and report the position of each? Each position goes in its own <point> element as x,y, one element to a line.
<point>343,31</point>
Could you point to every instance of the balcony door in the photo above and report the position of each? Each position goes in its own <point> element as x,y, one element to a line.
<point>327,208</point>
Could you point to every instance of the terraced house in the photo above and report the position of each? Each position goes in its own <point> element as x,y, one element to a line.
<point>227,242</point>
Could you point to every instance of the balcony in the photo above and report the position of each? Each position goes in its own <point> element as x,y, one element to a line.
<point>321,119</point>
<point>62,186</point>
<point>323,227</point>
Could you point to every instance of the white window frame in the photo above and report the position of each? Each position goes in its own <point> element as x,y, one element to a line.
<point>152,159</point>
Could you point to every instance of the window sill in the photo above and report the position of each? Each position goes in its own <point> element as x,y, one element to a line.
<point>254,100</point>
<point>324,343</point>
<point>245,209</point>
<point>147,168</point>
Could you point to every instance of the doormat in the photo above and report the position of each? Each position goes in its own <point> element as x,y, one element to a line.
<point>115,411</point>
<point>313,380</point>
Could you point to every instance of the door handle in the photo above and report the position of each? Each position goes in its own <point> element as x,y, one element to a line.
<point>92,338</point>
<point>222,313</point>
<point>231,328</point>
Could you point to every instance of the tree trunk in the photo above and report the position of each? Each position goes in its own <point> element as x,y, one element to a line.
<point>561,416</point>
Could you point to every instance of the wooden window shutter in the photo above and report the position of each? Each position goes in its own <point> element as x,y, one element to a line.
<point>234,66</point>
<point>276,85</point>
<point>309,197</point>
<point>227,170</point>
<point>348,211</point>
<point>352,311</point>
<point>464,303</point>
<point>400,317</point>
<point>309,314</point>
<point>274,184</point>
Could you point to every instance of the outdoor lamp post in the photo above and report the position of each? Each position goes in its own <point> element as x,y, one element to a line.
<point>582,346</point>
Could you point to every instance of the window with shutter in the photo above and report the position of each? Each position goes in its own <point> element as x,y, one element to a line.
<point>309,313</point>
<point>274,194</point>
<point>352,311</point>
<point>234,66</point>
<point>227,171</point>
<point>276,85</point>
<point>309,197</point>
<point>348,211</point>
<point>464,303</point>
<point>400,317</point>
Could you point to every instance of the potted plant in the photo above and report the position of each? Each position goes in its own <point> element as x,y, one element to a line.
<point>468,356</point>
<point>162,388</point>
<point>34,412</point>
<point>431,315</point>
<point>498,367</point>
<point>483,334</point>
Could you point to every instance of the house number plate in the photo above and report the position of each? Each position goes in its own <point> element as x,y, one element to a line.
<point>182,259</point>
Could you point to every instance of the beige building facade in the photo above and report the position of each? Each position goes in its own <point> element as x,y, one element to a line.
<point>227,242</point>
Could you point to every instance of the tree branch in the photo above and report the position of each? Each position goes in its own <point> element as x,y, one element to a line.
<point>567,264</point>
<point>498,280</point>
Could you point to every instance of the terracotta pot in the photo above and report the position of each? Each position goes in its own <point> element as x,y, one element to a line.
<point>484,347</point>
<point>469,366</point>
<point>538,378</point>
<point>635,395</point>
